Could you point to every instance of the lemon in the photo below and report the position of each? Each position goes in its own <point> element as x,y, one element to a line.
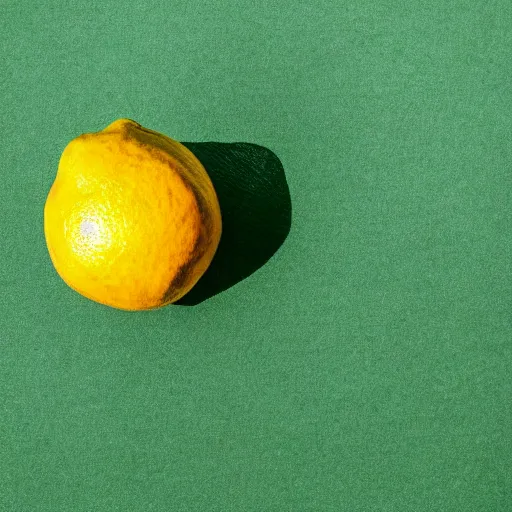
<point>132,220</point>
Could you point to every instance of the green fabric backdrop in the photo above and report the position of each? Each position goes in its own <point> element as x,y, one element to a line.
<point>367,366</point>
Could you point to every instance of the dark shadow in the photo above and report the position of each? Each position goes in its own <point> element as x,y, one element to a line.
<point>256,212</point>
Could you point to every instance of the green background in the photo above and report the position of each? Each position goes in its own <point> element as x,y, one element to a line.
<point>367,366</point>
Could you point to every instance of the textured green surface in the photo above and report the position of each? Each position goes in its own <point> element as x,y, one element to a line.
<point>367,366</point>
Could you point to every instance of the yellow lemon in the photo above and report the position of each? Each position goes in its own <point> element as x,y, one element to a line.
<point>132,219</point>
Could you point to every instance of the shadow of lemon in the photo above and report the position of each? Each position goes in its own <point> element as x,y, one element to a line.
<point>256,212</point>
